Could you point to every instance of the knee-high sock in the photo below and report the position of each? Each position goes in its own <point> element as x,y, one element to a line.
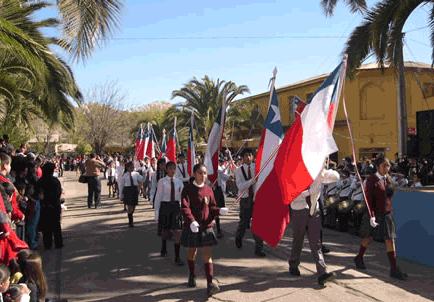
<point>217,223</point>
<point>191,264</point>
<point>392,259</point>
<point>130,218</point>
<point>361,252</point>
<point>208,272</point>
<point>177,248</point>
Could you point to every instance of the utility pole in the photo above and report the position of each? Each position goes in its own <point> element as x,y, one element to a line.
<point>401,101</point>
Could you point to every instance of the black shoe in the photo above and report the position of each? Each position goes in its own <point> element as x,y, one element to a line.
<point>178,262</point>
<point>325,250</point>
<point>294,271</point>
<point>163,253</point>
<point>191,281</point>
<point>212,289</point>
<point>219,235</point>
<point>260,253</point>
<point>359,263</point>
<point>398,274</point>
<point>239,243</point>
<point>130,225</point>
<point>60,246</point>
<point>326,277</point>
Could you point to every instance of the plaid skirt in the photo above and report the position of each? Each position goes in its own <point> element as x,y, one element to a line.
<point>386,230</point>
<point>131,195</point>
<point>202,238</point>
<point>169,217</point>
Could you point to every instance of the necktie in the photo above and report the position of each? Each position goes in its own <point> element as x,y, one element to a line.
<point>183,171</point>
<point>172,191</point>
<point>249,176</point>
<point>131,179</point>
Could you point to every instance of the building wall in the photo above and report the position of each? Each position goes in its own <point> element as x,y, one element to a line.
<point>371,100</point>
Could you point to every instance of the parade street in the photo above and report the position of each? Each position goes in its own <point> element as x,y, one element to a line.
<point>104,260</point>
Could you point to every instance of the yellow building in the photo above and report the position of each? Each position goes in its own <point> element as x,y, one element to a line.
<point>372,107</point>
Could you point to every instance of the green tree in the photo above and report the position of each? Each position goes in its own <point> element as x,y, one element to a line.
<point>37,82</point>
<point>204,99</point>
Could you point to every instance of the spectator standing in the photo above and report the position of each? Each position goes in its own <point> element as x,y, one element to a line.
<point>93,172</point>
<point>50,207</point>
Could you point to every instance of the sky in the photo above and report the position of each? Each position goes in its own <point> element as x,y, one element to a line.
<point>162,45</point>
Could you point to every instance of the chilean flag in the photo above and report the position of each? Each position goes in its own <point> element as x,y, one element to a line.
<point>214,143</point>
<point>300,158</point>
<point>163,145</point>
<point>138,141</point>
<point>150,151</point>
<point>191,158</point>
<point>143,144</point>
<point>297,105</point>
<point>171,144</point>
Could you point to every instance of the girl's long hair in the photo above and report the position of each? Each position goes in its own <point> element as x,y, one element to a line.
<point>31,268</point>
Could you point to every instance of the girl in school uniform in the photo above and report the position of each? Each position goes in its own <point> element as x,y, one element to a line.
<point>168,210</point>
<point>160,172</point>
<point>198,208</point>
<point>379,192</point>
<point>129,185</point>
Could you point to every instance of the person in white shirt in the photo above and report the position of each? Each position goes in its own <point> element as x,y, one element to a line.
<point>111,172</point>
<point>182,169</point>
<point>159,173</point>
<point>245,179</point>
<point>305,217</point>
<point>129,185</point>
<point>416,181</point>
<point>119,171</point>
<point>146,173</point>
<point>168,210</point>
<point>219,196</point>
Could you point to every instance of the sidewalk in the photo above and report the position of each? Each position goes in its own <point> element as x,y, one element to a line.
<point>104,260</point>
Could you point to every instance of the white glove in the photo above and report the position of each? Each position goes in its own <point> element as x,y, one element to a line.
<point>194,227</point>
<point>374,224</point>
<point>224,211</point>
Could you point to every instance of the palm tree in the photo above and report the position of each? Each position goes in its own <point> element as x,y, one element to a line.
<point>88,24</point>
<point>356,6</point>
<point>243,118</point>
<point>37,83</point>
<point>381,34</point>
<point>204,99</point>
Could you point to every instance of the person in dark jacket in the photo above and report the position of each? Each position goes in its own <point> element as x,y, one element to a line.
<point>50,207</point>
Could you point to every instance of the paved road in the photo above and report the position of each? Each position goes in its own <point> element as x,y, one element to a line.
<point>104,260</point>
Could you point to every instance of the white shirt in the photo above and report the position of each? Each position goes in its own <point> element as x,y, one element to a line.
<point>222,177</point>
<point>119,172</point>
<point>241,182</point>
<point>299,203</point>
<point>178,173</point>
<point>111,172</point>
<point>332,189</point>
<point>164,189</point>
<point>125,181</point>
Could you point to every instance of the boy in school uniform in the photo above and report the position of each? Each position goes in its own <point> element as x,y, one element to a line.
<point>182,169</point>
<point>245,179</point>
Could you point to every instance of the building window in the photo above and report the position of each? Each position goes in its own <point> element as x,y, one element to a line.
<point>428,89</point>
<point>372,102</point>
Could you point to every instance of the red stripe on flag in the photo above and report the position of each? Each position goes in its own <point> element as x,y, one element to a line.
<point>215,163</point>
<point>331,115</point>
<point>171,150</point>
<point>288,178</point>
